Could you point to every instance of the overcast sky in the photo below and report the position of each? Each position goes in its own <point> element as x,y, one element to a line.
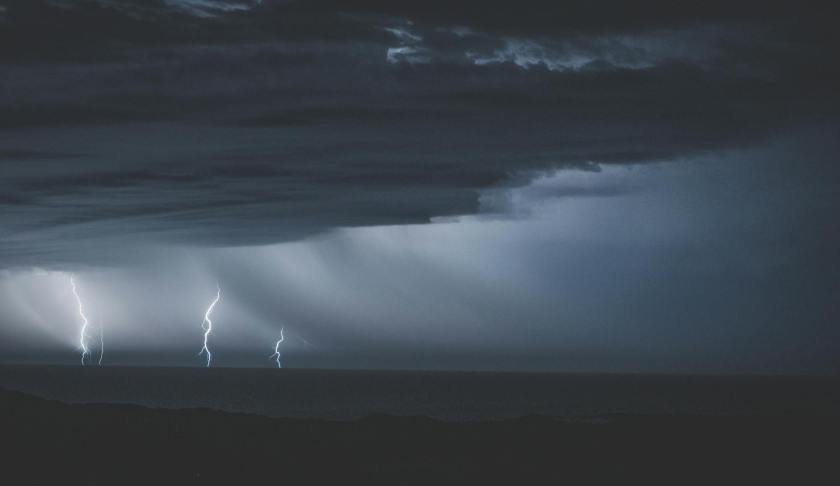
<point>574,186</point>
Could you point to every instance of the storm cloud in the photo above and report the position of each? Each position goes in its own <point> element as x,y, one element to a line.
<point>238,133</point>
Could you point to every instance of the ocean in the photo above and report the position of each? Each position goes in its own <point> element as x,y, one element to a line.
<point>453,396</point>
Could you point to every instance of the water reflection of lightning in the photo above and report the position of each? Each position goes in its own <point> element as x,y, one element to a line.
<point>83,331</point>
<point>277,350</point>
<point>207,325</point>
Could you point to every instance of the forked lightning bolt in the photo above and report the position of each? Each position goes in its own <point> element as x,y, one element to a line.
<point>277,349</point>
<point>83,331</point>
<point>207,325</point>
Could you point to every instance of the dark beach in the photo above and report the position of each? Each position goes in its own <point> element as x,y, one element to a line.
<point>58,443</point>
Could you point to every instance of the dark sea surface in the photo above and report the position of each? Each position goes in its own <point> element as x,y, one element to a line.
<point>335,394</point>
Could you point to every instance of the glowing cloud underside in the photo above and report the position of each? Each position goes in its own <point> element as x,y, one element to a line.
<point>277,354</point>
<point>83,331</point>
<point>207,325</point>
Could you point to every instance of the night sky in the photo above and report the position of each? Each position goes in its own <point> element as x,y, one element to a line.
<point>533,185</point>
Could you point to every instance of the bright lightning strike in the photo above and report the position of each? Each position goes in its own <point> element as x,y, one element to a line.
<point>207,325</point>
<point>83,331</point>
<point>101,344</point>
<point>277,354</point>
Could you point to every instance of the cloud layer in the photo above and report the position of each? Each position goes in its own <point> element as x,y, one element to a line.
<point>253,122</point>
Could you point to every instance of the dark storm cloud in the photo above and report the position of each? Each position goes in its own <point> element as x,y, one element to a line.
<point>691,221</point>
<point>253,122</point>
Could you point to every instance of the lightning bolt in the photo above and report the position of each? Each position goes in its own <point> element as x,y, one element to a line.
<point>277,349</point>
<point>207,325</point>
<point>101,344</point>
<point>83,331</point>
